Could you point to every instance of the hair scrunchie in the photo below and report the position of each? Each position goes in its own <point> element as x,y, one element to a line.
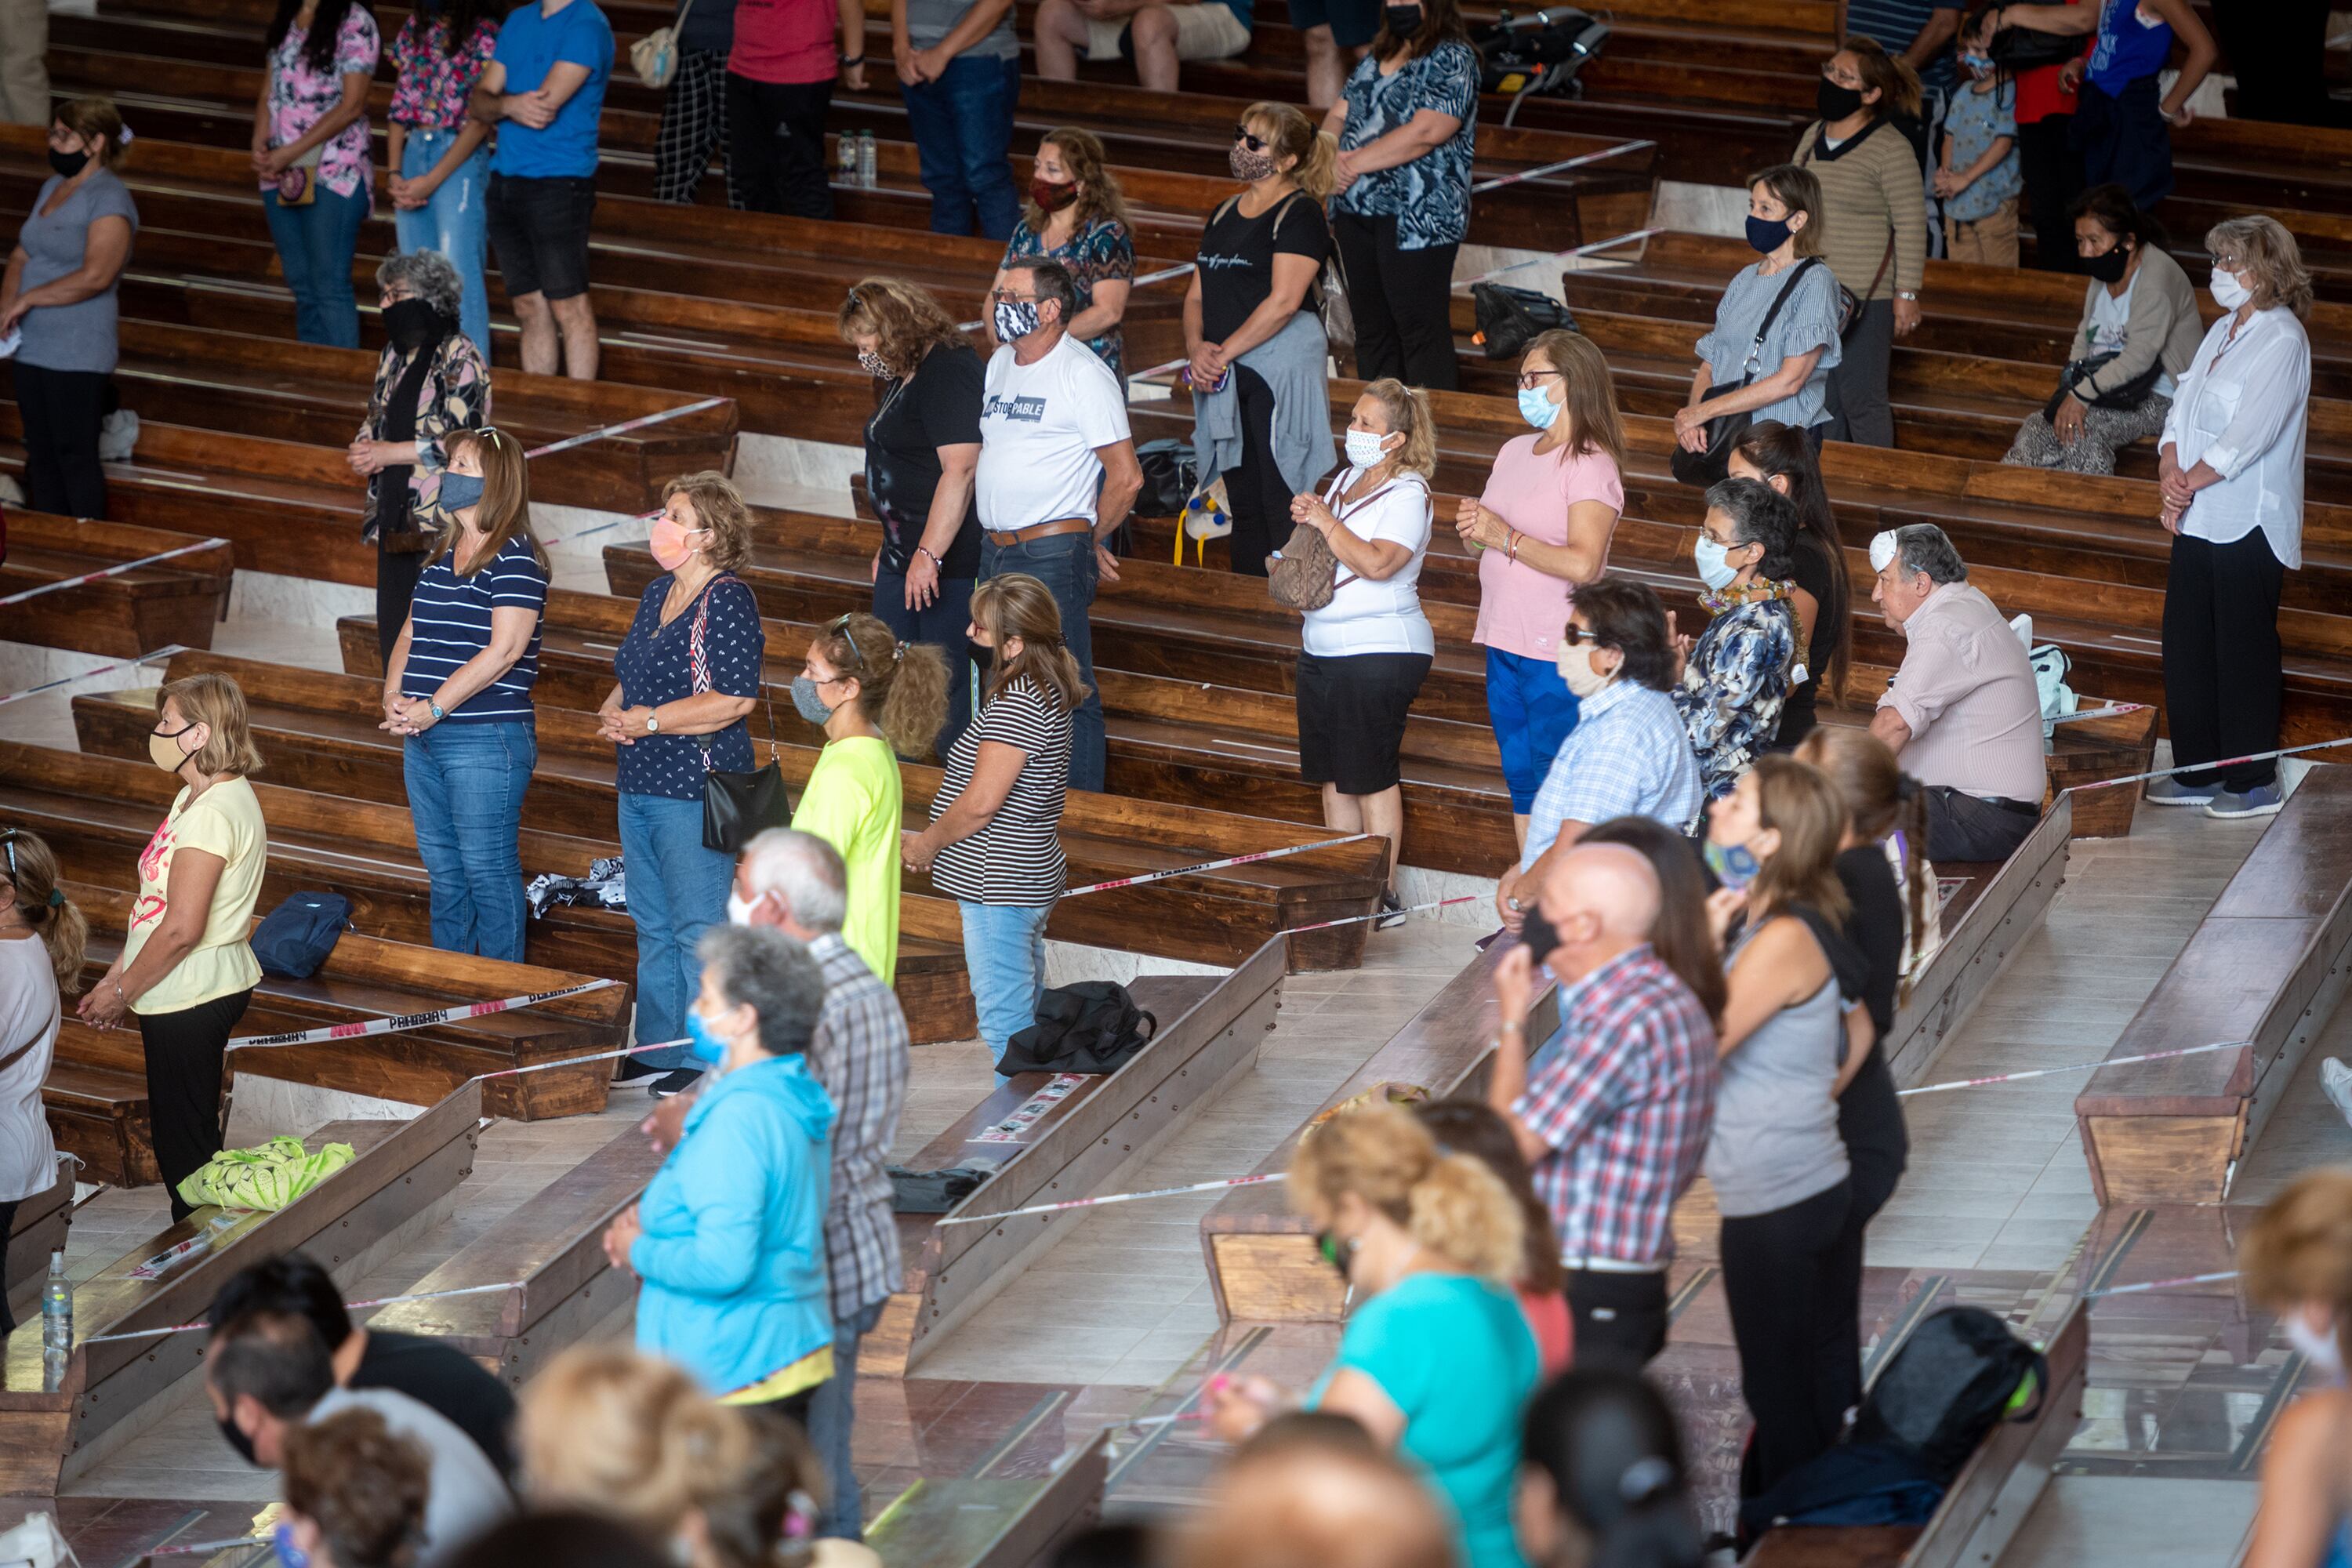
<point>897,652</point>
<point>1905,786</point>
<point>57,898</point>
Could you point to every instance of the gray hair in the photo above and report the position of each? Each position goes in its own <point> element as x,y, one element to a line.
<point>2268,250</point>
<point>802,871</point>
<point>428,275</point>
<point>773,974</point>
<point>1924,547</point>
<point>1759,515</point>
<point>1052,281</point>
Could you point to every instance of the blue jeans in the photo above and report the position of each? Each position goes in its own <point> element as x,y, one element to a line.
<point>465,793</point>
<point>829,1417</point>
<point>677,887</point>
<point>962,125</point>
<point>451,223</point>
<point>315,245</point>
<point>1065,563</point>
<point>942,624</point>
<point>1533,711</point>
<point>1005,950</point>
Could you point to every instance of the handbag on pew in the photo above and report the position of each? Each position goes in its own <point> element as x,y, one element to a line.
<point>1700,470</point>
<point>2127,397</point>
<point>737,807</point>
<point>654,56</point>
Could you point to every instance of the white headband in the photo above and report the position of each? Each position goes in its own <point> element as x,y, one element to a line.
<point>1883,549</point>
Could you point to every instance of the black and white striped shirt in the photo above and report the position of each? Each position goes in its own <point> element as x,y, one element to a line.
<point>1017,857</point>
<point>449,622</point>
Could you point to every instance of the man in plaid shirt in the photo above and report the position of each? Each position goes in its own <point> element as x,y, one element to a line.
<point>1615,1118</point>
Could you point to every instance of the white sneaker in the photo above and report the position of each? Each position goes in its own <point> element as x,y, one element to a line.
<point>2335,1079</point>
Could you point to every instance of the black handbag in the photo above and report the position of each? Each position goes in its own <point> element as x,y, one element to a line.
<point>1700,470</point>
<point>2127,397</point>
<point>1509,318</point>
<point>737,807</point>
<point>2017,50</point>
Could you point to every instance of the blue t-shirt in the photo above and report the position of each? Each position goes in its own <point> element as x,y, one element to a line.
<point>1430,196</point>
<point>655,665</point>
<point>529,43</point>
<point>449,622</point>
<point>2128,48</point>
<point>1456,1356</point>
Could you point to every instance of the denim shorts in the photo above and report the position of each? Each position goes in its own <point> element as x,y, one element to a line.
<point>539,227</point>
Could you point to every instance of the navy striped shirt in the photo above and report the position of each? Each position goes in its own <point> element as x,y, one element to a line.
<point>449,622</point>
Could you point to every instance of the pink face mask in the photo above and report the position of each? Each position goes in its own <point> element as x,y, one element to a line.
<point>668,543</point>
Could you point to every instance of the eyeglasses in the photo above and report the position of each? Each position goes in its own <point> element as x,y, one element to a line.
<point>1577,637</point>
<point>1531,379</point>
<point>1007,296</point>
<point>2228,263</point>
<point>1255,144</point>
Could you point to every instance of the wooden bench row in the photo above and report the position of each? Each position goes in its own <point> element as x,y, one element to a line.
<point>175,601</point>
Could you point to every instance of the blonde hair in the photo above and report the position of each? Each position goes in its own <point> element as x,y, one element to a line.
<point>1450,1205</point>
<point>1409,412</point>
<point>218,703</point>
<point>96,119</point>
<point>1897,83</point>
<point>1591,393</point>
<point>1798,800</point>
<point>906,320</point>
<point>1312,153</point>
<point>718,506</point>
<point>1100,199</point>
<point>902,687</point>
<point>30,867</point>
<point>2271,254</point>
<point>1797,189</point>
<point>1018,606</point>
<point>2300,1249</point>
<point>1880,800</point>
<point>504,511</point>
<point>629,1436</point>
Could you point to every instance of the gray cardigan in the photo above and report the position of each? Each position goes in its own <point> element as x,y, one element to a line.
<point>2163,322</point>
<point>1294,364</point>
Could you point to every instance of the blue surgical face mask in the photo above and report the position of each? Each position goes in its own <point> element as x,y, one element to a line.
<point>1537,408</point>
<point>1734,865</point>
<point>1976,65</point>
<point>702,1044</point>
<point>806,699</point>
<point>1015,319</point>
<point>1767,235</point>
<point>1713,569</point>
<point>460,492</point>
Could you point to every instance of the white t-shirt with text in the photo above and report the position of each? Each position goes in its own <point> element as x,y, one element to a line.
<point>1039,427</point>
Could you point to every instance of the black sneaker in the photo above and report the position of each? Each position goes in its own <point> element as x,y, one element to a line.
<point>672,1083</point>
<point>631,1071</point>
<point>1392,911</point>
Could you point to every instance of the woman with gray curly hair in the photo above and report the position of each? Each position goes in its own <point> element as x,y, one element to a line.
<point>431,380</point>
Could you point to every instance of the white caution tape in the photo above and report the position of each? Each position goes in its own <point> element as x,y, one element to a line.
<point>1565,164</point>
<point>377,1302</point>
<point>2072,1066</point>
<point>1250,860</point>
<point>401,1023</point>
<point>1598,245</point>
<point>59,587</point>
<point>624,427</point>
<point>161,653</point>
<point>2208,767</point>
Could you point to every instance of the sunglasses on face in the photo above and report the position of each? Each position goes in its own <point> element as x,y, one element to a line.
<point>1577,637</point>
<point>1255,144</point>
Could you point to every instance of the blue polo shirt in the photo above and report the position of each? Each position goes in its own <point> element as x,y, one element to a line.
<point>529,43</point>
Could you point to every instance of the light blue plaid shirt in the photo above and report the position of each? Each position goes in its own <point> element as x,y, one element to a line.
<point>1629,755</point>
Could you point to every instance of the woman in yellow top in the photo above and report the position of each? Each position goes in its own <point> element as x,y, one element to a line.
<point>186,970</point>
<point>874,695</point>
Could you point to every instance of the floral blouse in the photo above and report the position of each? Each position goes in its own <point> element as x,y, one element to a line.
<point>300,98</point>
<point>1733,685</point>
<point>435,84</point>
<point>455,396</point>
<point>1430,196</point>
<point>1102,249</point>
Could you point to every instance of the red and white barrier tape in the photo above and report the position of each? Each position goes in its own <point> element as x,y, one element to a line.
<point>1162,275</point>
<point>1598,245</point>
<point>2172,1284</point>
<point>206,1547</point>
<point>377,1302</point>
<point>2111,711</point>
<point>2208,767</point>
<point>624,427</point>
<point>1172,364</point>
<point>1110,1198</point>
<point>164,652</point>
<point>59,587</point>
<point>600,528</point>
<point>1383,914</point>
<point>1250,860</point>
<point>2072,1066</point>
<point>575,1061</point>
<point>1565,164</point>
<point>401,1023</point>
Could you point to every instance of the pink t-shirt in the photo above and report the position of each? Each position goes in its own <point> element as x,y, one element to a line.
<point>1522,610</point>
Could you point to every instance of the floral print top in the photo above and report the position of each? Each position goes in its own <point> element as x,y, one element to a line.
<point>1733,685</point>
<point>300,98</point>
<point>435,84</point>
<point>1102,249</point>
<point>1430,196</point>
<point>455,396</point>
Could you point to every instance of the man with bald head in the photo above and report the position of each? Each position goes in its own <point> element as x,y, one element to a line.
<point>1316,1499</point>
<point>1615,1118</point>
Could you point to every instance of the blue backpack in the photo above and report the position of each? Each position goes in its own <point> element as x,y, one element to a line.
<point>294,939</point>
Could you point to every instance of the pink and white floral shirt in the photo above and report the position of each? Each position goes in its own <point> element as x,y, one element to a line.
<point>300,98</point>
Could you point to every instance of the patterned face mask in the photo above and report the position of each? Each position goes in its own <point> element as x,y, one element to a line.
<point>1251,166</point>
<point>871,365</point>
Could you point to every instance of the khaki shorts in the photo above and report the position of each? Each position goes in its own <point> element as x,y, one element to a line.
<point>1205,31</point>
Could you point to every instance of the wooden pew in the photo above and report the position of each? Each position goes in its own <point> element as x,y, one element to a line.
<point>1081,1144</point>
<point>994,1521</point>
<point>175,601</point>
<point>38,1230</point>
<point>403,1172</point>
<point>2266,968</point>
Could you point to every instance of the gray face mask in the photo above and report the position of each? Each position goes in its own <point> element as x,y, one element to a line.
<point>805,698</point>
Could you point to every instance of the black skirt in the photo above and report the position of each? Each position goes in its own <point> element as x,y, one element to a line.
<point>1351,712</point>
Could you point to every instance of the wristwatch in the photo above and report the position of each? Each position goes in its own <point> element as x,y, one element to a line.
<point>652,722</point>
<point>848,60</point>
<point>1910,294</point>
<point>434,709</point>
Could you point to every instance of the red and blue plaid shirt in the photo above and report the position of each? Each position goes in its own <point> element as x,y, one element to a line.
<point>1624,1094</point>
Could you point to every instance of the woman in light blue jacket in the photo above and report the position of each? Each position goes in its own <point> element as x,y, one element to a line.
<point>728,1238</point>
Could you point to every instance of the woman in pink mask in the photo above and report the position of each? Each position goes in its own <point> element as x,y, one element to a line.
<point>689,672</point>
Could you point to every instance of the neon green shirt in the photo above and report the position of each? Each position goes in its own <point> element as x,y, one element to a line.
<point>851,803</point>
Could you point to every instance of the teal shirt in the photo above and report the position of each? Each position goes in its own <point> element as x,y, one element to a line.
<point>1455,1354</point>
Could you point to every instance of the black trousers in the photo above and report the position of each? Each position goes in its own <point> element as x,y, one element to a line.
<point>775,145</point>
<point>2278,51</point>
<point>1857,383</point>
<point>2053,167</point>
<point>1401,301</point>
<point>396,572</point>
<point>62,410</point>
<point>185,1051</point>
<point>8,1226</point>
<point>1784,1274</point>
<point>2221,669</point>
<point>1619,1319</point>
<point>1962,827</point>
<point>1256,491</point>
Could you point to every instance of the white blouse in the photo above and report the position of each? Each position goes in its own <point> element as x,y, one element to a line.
<point>1383,614</point>
<point>2243,408</point>
<point>29,1010</point>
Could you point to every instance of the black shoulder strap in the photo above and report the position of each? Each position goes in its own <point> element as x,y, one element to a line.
<point>1773,313</point>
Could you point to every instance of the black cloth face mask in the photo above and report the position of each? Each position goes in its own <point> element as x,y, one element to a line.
<point>1541,937</point>
<point>1833,102</point>
<point>2108,266</point>
<point>68,163</point>
<point>237,1439</point>
<point>411,324</point>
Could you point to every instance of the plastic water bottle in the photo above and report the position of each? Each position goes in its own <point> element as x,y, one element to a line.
<point>56,1308</point>
<point>866,160</point>
<point>845,158</point>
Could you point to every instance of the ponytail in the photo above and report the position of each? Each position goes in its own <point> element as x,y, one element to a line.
<point>1451,1205</point>
<point>1603,1442</point>
<point>31,869</point>
<point>1314,154</point>
<point>1460,1210</point>
<point>1319,173</point>
<point>1920,903</point>
<point>902,687</point>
